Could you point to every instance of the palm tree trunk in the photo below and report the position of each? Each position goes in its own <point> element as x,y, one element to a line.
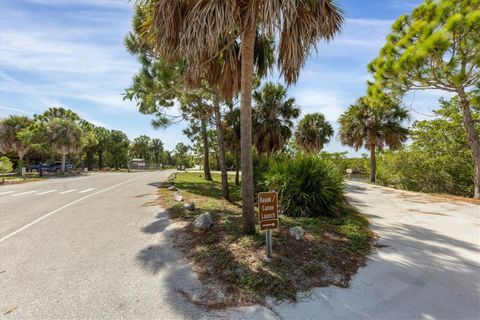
<point>221,147</point>
<point>237,169</point>
<point>248,210</point>
<point>206,161</point>
<point>473,139</point>
<point>62,168</point>
<point>373,163</point>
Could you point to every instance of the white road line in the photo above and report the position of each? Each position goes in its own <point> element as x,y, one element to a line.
<point>45,192</point>
<point>88,190</point>
<point>65,206</point>
<point>6,192</point>
<point>68,191</point>
<point>22,193</point>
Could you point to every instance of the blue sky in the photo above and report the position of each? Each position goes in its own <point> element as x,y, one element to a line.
<point>70,53</point>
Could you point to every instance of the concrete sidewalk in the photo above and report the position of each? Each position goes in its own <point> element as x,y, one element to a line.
<point>427,266</point>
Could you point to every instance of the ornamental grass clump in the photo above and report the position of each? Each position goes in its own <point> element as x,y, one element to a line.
<point>308,186</point>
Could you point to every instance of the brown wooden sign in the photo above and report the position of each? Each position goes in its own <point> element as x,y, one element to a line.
<point>268,210</point>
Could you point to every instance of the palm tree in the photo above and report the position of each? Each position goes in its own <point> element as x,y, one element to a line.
<point>273,117</point>
<point>365,125</point>
<point>202,32</point>
<point>313,132</point>
<point>64,136</point>
<point>57,113</point>
<point>157,149</point>
<point>13,131</point>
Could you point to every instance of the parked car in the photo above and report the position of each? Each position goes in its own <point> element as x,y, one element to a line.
<point>50,167</point>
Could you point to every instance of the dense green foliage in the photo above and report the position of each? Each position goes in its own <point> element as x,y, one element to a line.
<point>62,133</point>
<point>181,155</point>
<point>261,164</point>
<point>307,185</point>
<point>437,46</point>
<point>5,165</point>
<point>14,131</point>
<point>359,166</point>
<point>438,160</point>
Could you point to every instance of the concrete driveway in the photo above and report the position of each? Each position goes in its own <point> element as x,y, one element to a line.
<point>427,265</point>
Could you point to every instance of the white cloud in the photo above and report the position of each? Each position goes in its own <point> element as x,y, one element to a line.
<point>359,38</point>
<point>6,111</point>
<point>421,103</point>
<point>83,60</point>
<point>316,100</point>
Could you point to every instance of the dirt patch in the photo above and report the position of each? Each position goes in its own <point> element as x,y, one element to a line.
<point>426,198</point>
<point>428,212</point>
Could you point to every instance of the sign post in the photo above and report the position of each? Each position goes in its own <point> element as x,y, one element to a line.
<point>268,216</point>
<point>349,172</point>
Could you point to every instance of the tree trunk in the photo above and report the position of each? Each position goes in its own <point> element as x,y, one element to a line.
<point>90,160</point>
<point>237,169</point>
<point>21,163</point>
<point>373,163</point>
<point>62,168</point>
<point>100,160</point>
<point>221,147</point>
<point>248,210</point>
<point>473,140</point>
<point>206,161</point>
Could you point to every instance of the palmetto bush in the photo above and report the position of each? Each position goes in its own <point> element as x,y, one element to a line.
<point>261,164</point>
<point>307,185</point>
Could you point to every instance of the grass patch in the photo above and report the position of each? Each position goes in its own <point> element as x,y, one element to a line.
<point>15,179</point>
<point>332,251</point>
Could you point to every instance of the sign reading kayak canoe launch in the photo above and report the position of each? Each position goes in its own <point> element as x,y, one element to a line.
<point>268,210</point>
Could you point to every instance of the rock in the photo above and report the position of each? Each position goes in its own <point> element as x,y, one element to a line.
<point>297,233</point>
<point>178,198</point>
<point>172,188</point>
<point>190,206</point>
<point>240,271</point>
<point>203,221</point>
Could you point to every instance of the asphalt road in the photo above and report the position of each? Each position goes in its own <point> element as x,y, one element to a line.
<point>96,247</point>
<point>92,248</point>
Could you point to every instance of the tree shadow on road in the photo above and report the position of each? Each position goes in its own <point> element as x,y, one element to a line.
<point>161,259</point>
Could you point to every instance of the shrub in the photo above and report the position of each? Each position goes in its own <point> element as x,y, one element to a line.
<point>260,166</point>
<point>417,171</point>
<point>307,185</point>
<point>5,165</point>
